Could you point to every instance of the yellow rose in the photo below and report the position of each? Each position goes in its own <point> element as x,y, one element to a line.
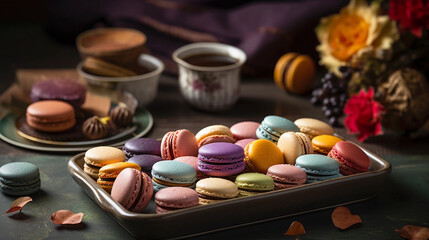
<point>356,30</point>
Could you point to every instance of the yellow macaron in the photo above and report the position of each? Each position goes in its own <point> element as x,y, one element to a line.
<point>324,143</point>
<point>108,173</point>
<point>294,73</point>
<point>262,154</point>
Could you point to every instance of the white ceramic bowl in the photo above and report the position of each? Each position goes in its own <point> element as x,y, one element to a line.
<point>144,87</point>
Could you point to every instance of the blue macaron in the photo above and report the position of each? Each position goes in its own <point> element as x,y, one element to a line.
<point>169,173</point>
<point>19,178</point>
<point>140,146</point>
<point>272,127</point>
<point>318,167</point>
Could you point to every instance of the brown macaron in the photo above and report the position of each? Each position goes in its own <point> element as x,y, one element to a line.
<point>294,73</point>
<point>51,116</point>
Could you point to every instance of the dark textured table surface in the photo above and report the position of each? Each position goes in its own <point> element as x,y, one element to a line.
<point>403,200</point>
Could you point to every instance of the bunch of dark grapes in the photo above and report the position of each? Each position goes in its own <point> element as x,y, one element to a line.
<point>332,95</point>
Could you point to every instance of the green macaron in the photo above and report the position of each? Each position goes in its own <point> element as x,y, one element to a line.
<point>250,184</point>
<point>19,178</point>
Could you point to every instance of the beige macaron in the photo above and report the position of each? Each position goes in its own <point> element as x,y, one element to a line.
<point>213,190</point>
<point>313,127</point>
<point>97,157</point>
<point>293,145</point>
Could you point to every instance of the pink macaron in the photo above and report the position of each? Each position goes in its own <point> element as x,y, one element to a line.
<point>351,158</point>
<point>286,176</point>
<point>178,143</point>
<point>132,189</point>
<point>243,142</point>
<point>246,129</point>
<point>174,198</point>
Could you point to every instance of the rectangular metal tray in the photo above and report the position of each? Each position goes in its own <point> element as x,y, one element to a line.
<point>240,211</point>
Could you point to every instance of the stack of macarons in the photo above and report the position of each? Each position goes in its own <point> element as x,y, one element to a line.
<point>211,166</point>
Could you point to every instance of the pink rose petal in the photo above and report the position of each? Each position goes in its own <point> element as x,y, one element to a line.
<point>66,217</point>
<point>19,203</point>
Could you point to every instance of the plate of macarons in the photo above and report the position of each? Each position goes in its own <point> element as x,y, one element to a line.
<point>223,177</point>
<point>59,120</point>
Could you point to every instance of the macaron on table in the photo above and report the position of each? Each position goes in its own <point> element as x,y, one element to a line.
<point>222,176</point>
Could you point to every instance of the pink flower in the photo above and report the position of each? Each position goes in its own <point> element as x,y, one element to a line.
<point>411,14</point>
<point>363,114</point>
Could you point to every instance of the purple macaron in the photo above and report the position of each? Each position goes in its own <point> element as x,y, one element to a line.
<point>140,146</point>
<point>221,159</point>
<point>66,90</point>
<point>145,161</point>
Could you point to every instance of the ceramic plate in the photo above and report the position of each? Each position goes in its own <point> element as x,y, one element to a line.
<point>143,122</point>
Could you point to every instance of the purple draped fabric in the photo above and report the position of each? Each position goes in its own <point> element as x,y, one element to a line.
<point>265,30</point>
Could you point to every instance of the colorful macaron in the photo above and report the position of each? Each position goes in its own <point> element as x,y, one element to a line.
<point>193,161</point>
<point>262,154</point>
<point>108,173</point>
<point>19,178</point>
<point>178,143</point>
<point>286,176</point>
<point>294,73</point>
<point>272,127</point>
<point>175,198</point>
<point>245,129</point>
<point>250,184</point>
<point>221,159</point>
<point>293,145</point>
<point>318,167</point>
<point>324,143</point>
<point>139,146</point>
<point>214,133</point>
<point>313,127</point>
<point>145,161</point>
<point>50,116</point>
<point>351,158</point>
<point>173,174</point>
<point>66,90</point>
<point>132,189</point>
<point>211,190</point>
<point>97,157</point>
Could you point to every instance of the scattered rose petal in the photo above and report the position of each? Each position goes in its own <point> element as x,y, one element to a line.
<point>414,232</point>
<point>19,203</point>
<point>295,229</point>
<point>343,218</point>
<point>66,217</point>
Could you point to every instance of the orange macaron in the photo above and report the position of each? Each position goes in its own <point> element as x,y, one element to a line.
<point>324,143</point>
<point>294,73</point>
<point>51,116</point>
